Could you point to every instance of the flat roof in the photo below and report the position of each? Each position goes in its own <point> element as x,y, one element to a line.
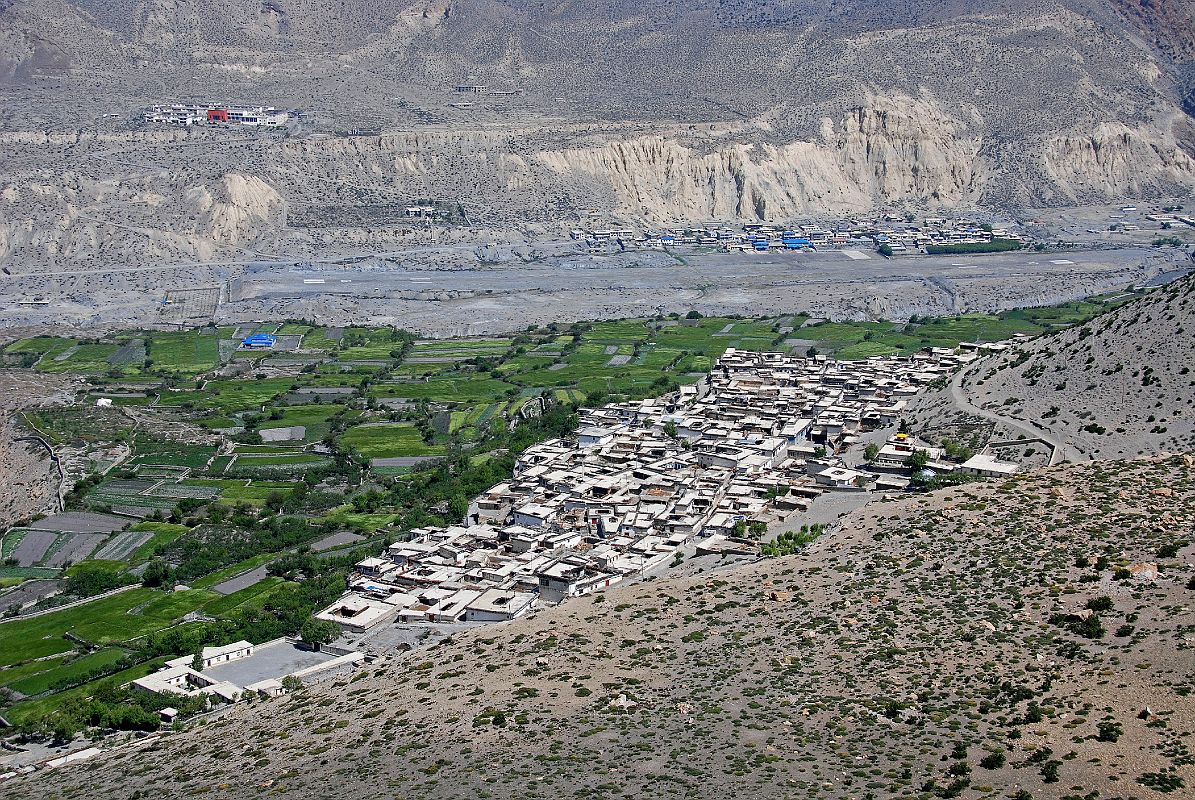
<point>986,462</point>
<point>271,660</point>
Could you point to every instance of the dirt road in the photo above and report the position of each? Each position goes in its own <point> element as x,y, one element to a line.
<point>1060,451</point>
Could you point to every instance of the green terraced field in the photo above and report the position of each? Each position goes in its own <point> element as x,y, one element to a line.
<point>866,350</point>
<point>227,395</point>
<point>84,358</point>
<point>315,418</point>
<point>58,670</point>
<point>368,522</point>
<point>254,596</point>
<point>319,339</point>
<point>446,390</point>
<point>388,441</point>
<point>44,345</point>
<point>277,460</point>
<point>118,618</point>
<point>466,422</point>
<point>163,534</point>
<point>17,672</point>
<point>188,352</point>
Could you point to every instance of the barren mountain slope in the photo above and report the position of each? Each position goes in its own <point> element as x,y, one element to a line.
<point>29,479</point>
<point>658,111</point>
<point>899,654</point>
<point>1121,385</point>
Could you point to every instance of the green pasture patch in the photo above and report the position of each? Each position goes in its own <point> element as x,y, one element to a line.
<point>43,345</point>
<point>55,673</point>
<point>569,395</point>
<point>388,441</point>
<point>18,672</point>
<point>163,534</point>
<point>219,576</point>
<point>864,350</point>
<point>617,331</point>
<point>30,710</point>
<point>319,339</point>
<point>85,358</point>
<point>431,346</point>
<point>246,460</point>
<point>189,352</point>
<point>469,418</point>
<point>115,618</point>
<point>363,521</point>
<point>172,454</point>
<point>228,395</point>
<point>254,596</point>
<point>22,574</point>
<point>446,390</point>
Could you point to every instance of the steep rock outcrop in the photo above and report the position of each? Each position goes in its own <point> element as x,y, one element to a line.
<point>1115,160</point>
<point>239,208</point>
<point>891,150</point>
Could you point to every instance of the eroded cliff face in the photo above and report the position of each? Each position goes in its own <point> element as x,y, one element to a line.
<point>74,222</point>
<point>1115,160</point>
<point>886,151</point>
<point>237,209</point>
<point>154,196</point>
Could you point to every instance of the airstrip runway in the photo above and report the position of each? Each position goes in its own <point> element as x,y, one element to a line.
<point>486,299</point>
<point>452,291</point>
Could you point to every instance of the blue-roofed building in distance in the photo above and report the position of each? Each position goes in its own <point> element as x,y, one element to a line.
<point>259,341</point>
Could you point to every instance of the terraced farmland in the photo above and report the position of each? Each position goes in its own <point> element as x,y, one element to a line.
<point>206,509</point>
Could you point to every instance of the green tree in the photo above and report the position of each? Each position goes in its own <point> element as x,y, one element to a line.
<point>275,500</point>
<point>871,451</point>
<point>156,574</point>
<point>956,451</point>
<point>458,506</point>
<point>318,632</point>
<point>89,579</point>
<point>918,460</point>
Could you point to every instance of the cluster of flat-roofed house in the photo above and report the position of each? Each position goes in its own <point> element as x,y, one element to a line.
<point>743,448</point>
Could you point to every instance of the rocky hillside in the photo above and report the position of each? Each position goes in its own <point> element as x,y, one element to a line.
<point>1121,385</point>
<point>1029,634</point>
<point>658,111</point>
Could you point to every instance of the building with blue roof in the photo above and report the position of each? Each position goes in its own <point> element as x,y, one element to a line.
<point>259,341</point>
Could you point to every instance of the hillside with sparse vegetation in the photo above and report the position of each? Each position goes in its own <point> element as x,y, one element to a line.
<point>1116,386</point>
<point>1028,638</point>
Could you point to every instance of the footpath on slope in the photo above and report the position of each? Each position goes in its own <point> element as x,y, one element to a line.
<point>1059,450</point>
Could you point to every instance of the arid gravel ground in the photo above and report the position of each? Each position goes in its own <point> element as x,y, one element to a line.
<point>28,478</point>
<point>1121,385</point>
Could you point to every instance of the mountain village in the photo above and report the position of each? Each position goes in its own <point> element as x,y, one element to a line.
<point>713,465</point>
